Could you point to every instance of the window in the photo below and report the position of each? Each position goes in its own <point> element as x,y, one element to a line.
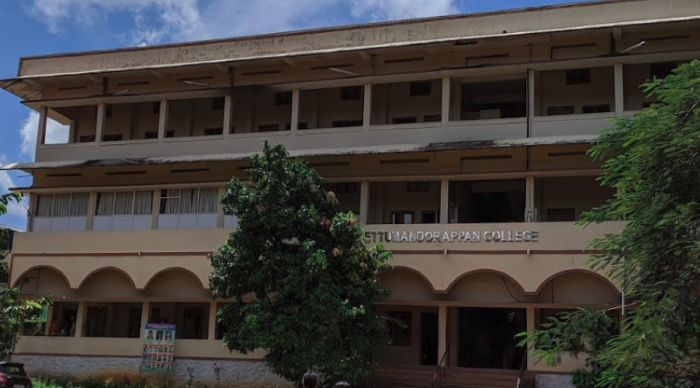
<point>346,188</point>
<point>662,70</point>
<point>347,123</point>
<point>108,110</point>
<point>351,93</point>
<point>561,215</point>
<point>420,88</point>
<point>155,108</point>
<point>578,77</point>
<point>213,131</point>
<point>151,135</point>
<point>283,98</point>
<point>402,217</point>
<point>418,187</point>
<point>404,120</point>
<point>170,133</point>
<point>188,208</point>
<point>598,108</point>
<point>400,328</point>
<point>217,103</point>
<point>429,217</point>
<point>112,137</point>
<point>268,127</point>
<point>560,110</point>
<point>61,212</point>
<point>123,210</point>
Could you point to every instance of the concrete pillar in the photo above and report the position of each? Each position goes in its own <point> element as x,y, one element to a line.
<point>212,321</point>
<point>446,86</point>
<point>531,98</point>
<point>220,209</point>
<point>530,211</point>
<point>530,321</point>
<point>364,202</point>
<point>227,115</point>
<point>92,205</point>
<point>163,120</point>
<point>41,130</point>
<point>444,201</point>
<point>79,319</point>
<point>619,90</point>
<point>295,111</point>
<point>145,312</point>
<point>101,116</point>
<point>155,209</point>
<point>442,331</point>
<point>49,319</point>
<point>367,106</point>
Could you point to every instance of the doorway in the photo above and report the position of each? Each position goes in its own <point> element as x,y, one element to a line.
<point>487,338</point>
<point>429,338</point>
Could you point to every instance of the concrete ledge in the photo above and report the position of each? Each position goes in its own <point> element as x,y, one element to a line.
<point>233,373</point>
<point>554,381</point>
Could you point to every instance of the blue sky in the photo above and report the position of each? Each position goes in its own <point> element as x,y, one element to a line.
<point>36,27</point>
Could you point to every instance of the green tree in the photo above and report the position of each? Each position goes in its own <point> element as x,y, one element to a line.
<point>13,309</point>
<point>653,159</point>
<point>308,280</point>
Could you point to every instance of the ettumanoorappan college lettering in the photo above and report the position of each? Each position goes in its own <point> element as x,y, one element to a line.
<point>504,236</point>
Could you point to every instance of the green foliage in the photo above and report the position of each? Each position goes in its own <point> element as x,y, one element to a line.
<point>653,159</point>
<point>13,309</point>
<point>313,280</point>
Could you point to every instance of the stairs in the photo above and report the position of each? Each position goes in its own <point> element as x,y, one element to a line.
<point>422,377</point>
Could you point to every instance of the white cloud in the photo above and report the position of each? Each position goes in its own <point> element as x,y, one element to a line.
<point>401,9</point>
<point>158,21</point>
<point>55,133</point>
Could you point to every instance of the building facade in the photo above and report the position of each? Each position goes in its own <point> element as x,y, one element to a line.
<point>460,142</point>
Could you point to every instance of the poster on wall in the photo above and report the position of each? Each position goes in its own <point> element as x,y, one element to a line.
<point>158,348</point>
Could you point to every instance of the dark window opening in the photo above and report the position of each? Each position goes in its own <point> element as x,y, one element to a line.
<point>268,127</point>
<point>561,215</point>
<point>487,201</point>
<point>346,188</point>
<point>418,187</point>
<point>578,77</point>
<point>170,134</point>
<point>213,131</point>
<point>86,139</point>
<point>113,137</point>
<point>597,108</point>
<point>351,93</point>
<point>283,98</point>
<point>156,108</point>
<point>217,103</point>
<point>401,217</point>
<point>432,118</point>
<point>151,135</point>
<point>429,217</point>
<point>560,110</point>
<point>400,328</point>
<point>494,100</point>
<point>404,120</point>
<point>347,123</point>
<point>108,110</point>
<point>420,88</point>
<point>662,70</point>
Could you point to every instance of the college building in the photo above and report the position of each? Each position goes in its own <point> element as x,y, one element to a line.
<point>459,141</point>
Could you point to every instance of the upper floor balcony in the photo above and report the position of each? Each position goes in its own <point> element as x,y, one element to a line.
<point>355,113</point>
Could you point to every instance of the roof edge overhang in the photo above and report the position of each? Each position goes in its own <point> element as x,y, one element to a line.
<point>8,82</point>
<point>349,151</point>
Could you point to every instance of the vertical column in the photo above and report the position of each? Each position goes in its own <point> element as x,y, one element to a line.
<point>101,115</point>
<point>92,204</point>
<point>49,319</point>
<point>227,115</point>
<point>530,322</point>
<point>445,113</point>
<point>444,201</point>
<point>530,100</point>
<point>530,212</point>
<point>364,201</point>
<point>212,321</point>
<point>619,89</point>
<point>220,209</point>
<point>79,319</point>
<point>367,106</point>
<point>295,111</point>
<point>163,120</point>
<point>41,131</point>
<point>155,208</point>
<point>442,332</point>
<point>31,212</point>
<point>145,312</point>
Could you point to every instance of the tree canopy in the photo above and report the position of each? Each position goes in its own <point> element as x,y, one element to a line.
<point>303,280</point>
<point>653,159</point>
